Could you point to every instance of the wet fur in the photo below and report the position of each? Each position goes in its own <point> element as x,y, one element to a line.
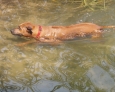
<point>59,33</point>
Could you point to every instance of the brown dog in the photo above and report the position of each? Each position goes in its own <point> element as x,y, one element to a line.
<point>58,33</point>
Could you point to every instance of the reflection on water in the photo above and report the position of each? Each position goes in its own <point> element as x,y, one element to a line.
<point>100,78</point>
<point>84,65</point>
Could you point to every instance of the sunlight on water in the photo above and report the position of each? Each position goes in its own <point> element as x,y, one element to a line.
<point>84,65</point>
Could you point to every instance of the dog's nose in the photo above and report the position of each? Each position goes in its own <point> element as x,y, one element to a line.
<point>11,31</point>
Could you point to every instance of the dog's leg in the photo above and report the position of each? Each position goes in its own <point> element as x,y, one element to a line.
<point>97,34</point>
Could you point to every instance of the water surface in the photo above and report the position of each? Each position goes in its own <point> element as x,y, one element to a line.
<point>84,65</point>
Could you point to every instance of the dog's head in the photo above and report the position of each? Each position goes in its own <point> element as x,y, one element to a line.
<point>24,29</point>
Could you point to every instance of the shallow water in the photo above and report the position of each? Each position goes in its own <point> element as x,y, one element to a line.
<point>84,65</point>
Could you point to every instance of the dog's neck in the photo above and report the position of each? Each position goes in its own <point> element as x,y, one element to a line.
<point>39,31</point>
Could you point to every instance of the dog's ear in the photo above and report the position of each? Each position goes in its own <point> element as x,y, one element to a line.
<point>29,29</point>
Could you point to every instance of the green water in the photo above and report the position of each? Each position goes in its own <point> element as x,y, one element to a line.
<point>84,65</point>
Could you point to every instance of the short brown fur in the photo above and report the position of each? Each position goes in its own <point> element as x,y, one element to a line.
<point>59,33</point>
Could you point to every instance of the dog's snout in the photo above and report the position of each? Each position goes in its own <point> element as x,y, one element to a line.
<point>16,32</point>
<point>11,31</point>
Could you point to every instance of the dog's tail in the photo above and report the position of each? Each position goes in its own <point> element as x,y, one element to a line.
<point>102,27</point>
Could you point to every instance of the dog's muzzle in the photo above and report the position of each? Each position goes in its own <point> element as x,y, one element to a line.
<point>15,33</point>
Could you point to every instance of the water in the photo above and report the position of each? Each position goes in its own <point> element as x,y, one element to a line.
<point>84,65</point>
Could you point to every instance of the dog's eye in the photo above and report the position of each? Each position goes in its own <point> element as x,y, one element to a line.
<point>29,30</point>
<point>19,28</point>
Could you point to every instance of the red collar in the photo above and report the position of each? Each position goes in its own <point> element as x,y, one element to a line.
<point>39,31</point>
